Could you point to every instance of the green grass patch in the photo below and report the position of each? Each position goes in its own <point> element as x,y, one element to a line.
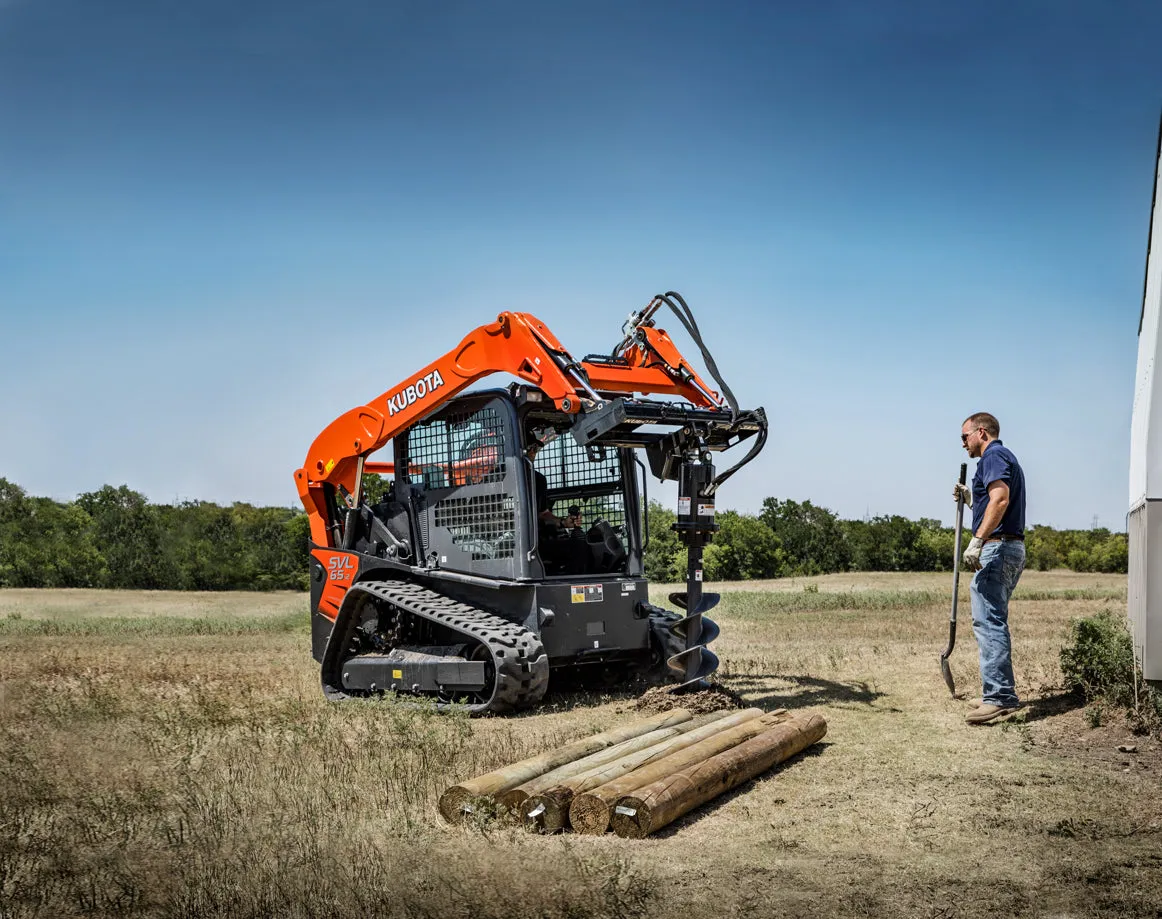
<point>755,603</point>
<point>758,603</point>
<point>1084,593</point>
<point>115,626</point>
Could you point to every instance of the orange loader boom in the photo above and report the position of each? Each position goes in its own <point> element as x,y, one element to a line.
<point>646,362</point>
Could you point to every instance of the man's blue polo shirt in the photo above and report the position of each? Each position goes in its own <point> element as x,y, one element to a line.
<point>998,464</point>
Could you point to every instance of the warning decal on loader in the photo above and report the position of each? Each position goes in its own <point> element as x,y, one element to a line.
<point>587,593</point>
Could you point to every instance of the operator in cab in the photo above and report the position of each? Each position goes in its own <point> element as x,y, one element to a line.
<point>560,540</point>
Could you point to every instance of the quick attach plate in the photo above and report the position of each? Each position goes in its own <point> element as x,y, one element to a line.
<point>619,421</point>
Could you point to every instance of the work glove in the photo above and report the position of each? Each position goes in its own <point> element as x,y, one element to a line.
<point>972,553</point>
<point>962,491</point>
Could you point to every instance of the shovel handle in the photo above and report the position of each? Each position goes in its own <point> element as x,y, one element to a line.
<point>944,668</point>
<point>956,553</point>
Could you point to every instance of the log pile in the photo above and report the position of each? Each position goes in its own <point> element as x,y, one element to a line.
<point>640,777</point>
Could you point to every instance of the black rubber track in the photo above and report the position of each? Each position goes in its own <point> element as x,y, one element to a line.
<point>519,661</point>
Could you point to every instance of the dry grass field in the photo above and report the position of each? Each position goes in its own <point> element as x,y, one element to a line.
<point>171,755</point>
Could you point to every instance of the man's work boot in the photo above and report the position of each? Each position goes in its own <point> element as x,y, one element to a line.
<point>986,713</point>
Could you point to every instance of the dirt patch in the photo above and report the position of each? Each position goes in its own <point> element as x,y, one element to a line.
<point>701,702</point>
<point>1071,732</point>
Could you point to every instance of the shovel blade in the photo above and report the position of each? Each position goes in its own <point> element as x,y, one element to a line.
<point>946,671</point>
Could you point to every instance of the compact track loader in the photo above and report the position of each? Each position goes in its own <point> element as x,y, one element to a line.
<point>466,582</point>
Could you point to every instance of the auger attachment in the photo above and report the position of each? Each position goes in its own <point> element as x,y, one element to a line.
<point>697,656</point>
<point>695,527</point>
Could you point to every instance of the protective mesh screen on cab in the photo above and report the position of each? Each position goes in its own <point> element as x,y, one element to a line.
<point>458,449</point>
<point>592,482</point>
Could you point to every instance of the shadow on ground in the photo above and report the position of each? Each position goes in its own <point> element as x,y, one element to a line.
<point>590,687</point>
<point>1051,704</point>
<point>801,691</point>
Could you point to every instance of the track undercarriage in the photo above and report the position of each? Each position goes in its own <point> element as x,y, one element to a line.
<point>411,640</point>
<point>405,638</point>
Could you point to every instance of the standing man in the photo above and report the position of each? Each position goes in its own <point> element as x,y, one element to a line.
<point>996,553</point>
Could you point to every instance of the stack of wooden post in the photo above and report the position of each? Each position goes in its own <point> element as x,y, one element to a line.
<point>639,777</point>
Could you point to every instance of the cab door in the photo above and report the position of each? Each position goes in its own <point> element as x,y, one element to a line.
<point>465,467</point>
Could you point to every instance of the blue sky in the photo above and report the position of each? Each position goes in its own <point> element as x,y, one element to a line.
<point>223,224</point>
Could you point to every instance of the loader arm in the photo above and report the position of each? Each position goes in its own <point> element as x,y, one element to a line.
<point>653,365</point>
<point>516,343</point>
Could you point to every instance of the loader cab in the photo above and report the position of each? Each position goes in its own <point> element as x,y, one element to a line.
<point>589,486</point>
<point>475,496</point>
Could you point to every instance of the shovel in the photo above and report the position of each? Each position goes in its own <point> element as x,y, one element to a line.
<point>944,668</point>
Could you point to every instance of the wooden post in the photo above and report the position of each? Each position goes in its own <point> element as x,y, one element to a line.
<point>456,802</point>
<point>548,811</point>
<point>515,797</point>
<point>591,811</point>
<point>654,806</point>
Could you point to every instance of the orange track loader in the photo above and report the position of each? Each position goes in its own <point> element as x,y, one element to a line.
<point>464,582</point>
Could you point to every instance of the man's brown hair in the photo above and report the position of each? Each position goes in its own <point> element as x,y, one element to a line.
<point>991,426</point>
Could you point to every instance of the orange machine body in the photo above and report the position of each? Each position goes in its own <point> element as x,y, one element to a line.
<point>516,343</point>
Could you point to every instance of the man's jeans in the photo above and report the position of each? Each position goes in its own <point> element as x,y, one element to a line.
<point>1001,566</point>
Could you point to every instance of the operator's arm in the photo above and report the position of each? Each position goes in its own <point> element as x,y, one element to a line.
<point>547,517</point>
<point>552,519</point>
<point>995,512</point>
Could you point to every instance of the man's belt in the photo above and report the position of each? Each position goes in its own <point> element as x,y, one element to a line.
<point>1005,537</point>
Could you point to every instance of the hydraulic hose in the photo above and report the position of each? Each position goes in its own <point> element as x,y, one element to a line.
<point>760,439</point>
<point>686,317</point>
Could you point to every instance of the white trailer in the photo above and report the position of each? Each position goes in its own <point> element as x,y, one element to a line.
<point>1145,517</point>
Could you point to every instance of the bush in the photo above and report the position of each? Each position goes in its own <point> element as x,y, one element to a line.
<point>1099,661</point>
<point>1098,664</point>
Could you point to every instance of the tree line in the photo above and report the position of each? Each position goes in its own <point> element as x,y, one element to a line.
<point>114,537</point>
<point>792,538</point>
